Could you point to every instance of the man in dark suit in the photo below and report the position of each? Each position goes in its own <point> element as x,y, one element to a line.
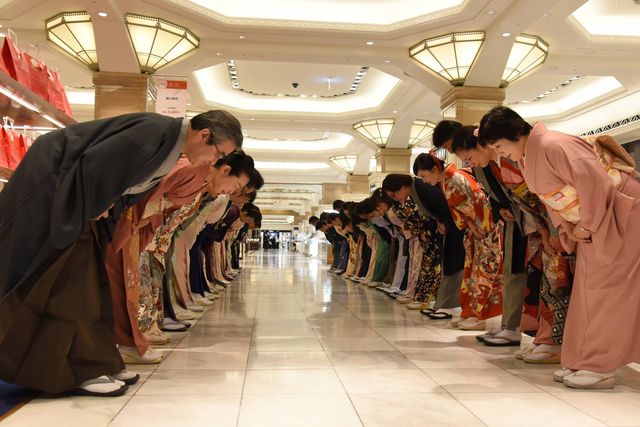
<point>52,280</point>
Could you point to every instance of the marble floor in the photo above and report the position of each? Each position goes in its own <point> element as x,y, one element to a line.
<point>292,345</point>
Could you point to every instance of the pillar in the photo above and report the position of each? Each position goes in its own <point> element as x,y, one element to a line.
<point>358,184</point>
<point>467,105</point>
<point>390,160</point>
<point>331,192</point>
<point>119,93</point>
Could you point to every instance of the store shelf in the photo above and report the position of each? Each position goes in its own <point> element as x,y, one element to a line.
<point>27,108</point>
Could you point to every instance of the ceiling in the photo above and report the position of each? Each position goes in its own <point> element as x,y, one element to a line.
<point>350,61</point>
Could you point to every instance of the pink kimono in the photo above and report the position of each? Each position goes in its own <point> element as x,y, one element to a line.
<point>133,231</point>
<point>601,332</point>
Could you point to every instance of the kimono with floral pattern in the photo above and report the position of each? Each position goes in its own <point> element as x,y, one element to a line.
<point>557,278</point>
<point>481,291</point>
<point>421,228</point>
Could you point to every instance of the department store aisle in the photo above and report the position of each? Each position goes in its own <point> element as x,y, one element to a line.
<point>292,345</point>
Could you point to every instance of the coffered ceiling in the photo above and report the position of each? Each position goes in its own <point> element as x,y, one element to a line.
<point>349,59</point>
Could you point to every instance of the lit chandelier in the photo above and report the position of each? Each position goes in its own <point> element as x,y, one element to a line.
<point>421,130</point>
<point>527,53</point>
<point>375,130</point>
<point>346,163</point>
<point>158,42</point>
<point>450,55</point>
<point>73,33</point>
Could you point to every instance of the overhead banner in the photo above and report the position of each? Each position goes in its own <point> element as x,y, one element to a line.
<point>172,97</point>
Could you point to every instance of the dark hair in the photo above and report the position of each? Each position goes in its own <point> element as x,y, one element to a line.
<point>444,131</point>
<point>332,217</point>
<point>251,197</point>
<point>395,181</point>
<point>502,122</point>
<point>380,196</point>
<point>255,214</point>
<point>313,220</point>
<point>248,206</point>
<point>255,180</point>
<point>347,206</point>
<point>426,162</point>
<point>464,139</point>
<point>222,125</point>
<point>323,216</point>
<point>366,206</point>
<point>354,216</point>
<point>321,223</point>
<point>337,205</point>
<point>239,162</point>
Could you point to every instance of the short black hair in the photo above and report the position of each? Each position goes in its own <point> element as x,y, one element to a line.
<point>321,223</point>
<point>252,197</point>
<point>240,163</point>
<point>444,131</point>
<point>464,139</point>
<point>255,214</point>
<point>395,181</point>
<point>380,196</point>
<point>426,162</point>
<point>366,207</point>
<point>346,206</point>
<point>502,122</point>
<point>323,216</point>
<point>337,204</point>
<point>256,180</point>
<point>222,125</point>
<point>313,220</point>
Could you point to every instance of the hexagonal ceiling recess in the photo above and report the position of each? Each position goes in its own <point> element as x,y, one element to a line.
<point>266,85</point>
<point>381,15</point>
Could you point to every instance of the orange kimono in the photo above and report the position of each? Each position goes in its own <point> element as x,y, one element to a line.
<point>481,292</point>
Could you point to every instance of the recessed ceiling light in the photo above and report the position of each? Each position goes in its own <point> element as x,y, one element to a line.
<point>395,111</point>
<point>219,54</point>
<point>369,43</point>
<point>242,37</point>
<point>387,61</point>
<point>545,15</point>
<point>506,34</point>
<point>103,14</point>
<point>280,94</point>
<point>188,103</point>
<point>252,119</point>
<point>491,12</point>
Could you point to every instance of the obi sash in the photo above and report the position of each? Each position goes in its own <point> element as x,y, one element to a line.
<point>614,160</point>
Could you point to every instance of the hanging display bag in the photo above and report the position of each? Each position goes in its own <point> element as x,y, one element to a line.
<point>39,79</point>
<point>4,150</point>
<point>15,61</point>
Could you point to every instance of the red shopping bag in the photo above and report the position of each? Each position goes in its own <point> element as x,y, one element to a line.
<point>4,150</point>
<point>15,62</point>
<point>63,95</point>
<point>16,148</point>
<point>39,79</point>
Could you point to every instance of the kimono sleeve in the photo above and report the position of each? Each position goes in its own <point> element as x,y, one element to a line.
<point>604,211</point>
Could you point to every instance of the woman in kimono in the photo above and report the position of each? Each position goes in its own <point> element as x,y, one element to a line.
<point>481,291</point>
<point>135,229</point>
<point>592,193</point>
<point>398,187</point>
<point>549,274</point>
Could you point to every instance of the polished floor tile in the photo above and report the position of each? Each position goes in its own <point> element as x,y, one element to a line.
<point>172,411</point>
<point>282,381</point>
<point>297,411</point>
<point>526,410</point>
<point>413,410</point>
<point>387,381</point>
<point>289,344</point>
